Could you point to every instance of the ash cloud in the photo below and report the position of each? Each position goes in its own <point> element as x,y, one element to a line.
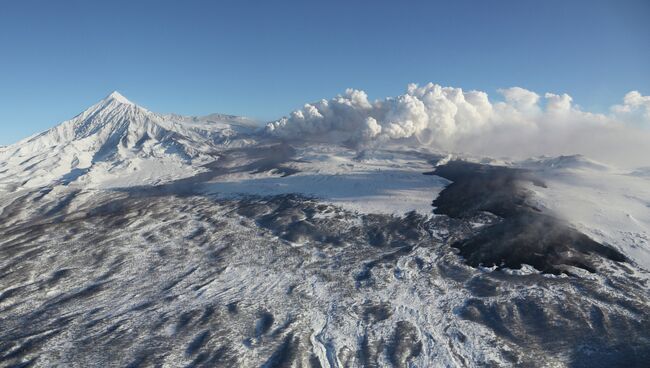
<point>521,123</point>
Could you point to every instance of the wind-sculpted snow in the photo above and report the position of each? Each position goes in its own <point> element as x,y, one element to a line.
<point>136,278</point>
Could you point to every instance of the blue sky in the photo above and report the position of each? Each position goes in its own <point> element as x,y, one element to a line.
<point>266,58</point>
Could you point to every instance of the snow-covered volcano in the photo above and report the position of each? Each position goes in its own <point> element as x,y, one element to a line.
<point>131,238</point>
<point>115,135</point>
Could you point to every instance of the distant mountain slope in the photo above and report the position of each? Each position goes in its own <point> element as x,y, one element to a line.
<point>117,134</point>
<point>572,162</point>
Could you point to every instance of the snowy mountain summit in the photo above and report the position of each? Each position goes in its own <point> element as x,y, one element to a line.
<point>115,135</point>
<point>116,96</point>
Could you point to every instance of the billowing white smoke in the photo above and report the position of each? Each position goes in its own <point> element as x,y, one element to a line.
<point>635,108</point>
<point>429,114</point>
<point>522,124</point>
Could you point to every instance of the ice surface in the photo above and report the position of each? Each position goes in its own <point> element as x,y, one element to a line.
<point>376,183</point>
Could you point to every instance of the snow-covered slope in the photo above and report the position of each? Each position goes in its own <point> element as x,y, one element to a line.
<point>131,238</point>
<point>609,205</point>
<point>118,138</point>
<point>572,162</point>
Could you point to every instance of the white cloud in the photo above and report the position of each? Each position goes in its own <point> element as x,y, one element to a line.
<point>520,99</point>
<point>635,108</point>
<point>558,104</point>
<point>447,118</point>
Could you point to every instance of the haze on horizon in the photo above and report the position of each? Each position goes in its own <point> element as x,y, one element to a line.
<point>266,60</point>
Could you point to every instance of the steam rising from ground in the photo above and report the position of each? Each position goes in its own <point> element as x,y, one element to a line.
<point>523,123</point>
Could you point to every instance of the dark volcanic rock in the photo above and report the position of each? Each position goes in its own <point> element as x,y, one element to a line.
<point>526,235</point>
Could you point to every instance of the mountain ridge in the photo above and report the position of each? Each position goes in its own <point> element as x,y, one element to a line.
<point>116,132</point>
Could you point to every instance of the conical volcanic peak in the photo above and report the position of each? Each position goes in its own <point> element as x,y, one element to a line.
<point>117,97</point>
